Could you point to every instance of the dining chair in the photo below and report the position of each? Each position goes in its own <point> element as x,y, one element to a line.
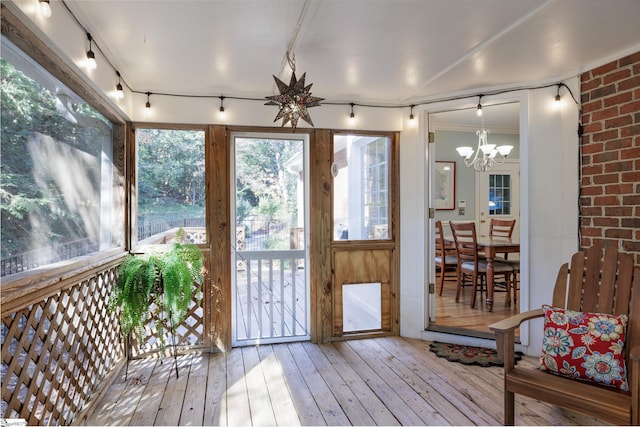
<point>501,227</point>
<point>445,258</point>
<point>471,264</point>
<point>504,228</point>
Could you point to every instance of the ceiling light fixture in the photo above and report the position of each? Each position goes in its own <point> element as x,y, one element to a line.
<point>91,57</point>
<point>479,109</point>
<point>485,158</point>
<point>148,104</point>
<point>558,94</point>
<point>45,8</point>
<point>352,116</point>
<point>293,99</point>
<point>221,106</point>
<point>119,90</point>
<point>411,115</point>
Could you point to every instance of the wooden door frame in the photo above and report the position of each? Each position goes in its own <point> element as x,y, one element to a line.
<point>323,249</point>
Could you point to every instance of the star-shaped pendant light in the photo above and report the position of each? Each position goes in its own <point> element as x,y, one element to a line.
<point>293,99</point>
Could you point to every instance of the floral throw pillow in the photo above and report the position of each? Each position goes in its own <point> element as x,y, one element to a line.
<point>585,346</point>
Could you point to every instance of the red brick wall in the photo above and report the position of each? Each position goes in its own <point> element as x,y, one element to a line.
<point>610,144</point>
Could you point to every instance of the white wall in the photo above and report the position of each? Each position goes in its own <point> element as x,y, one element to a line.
<point>549,165</point>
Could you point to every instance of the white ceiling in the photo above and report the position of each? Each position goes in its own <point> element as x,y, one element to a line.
<point>386,52</point>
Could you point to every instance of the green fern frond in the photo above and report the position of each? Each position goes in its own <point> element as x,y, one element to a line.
<point>168,280</point>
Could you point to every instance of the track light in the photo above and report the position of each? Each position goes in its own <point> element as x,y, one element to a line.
<point>352,116</point>
<point>411,115</point>
<point>91,57</point>
<point>148,104</point>
<point>479,109</point>
<point>119,90</point>
<point>45,8</point>
<point>221,104</point>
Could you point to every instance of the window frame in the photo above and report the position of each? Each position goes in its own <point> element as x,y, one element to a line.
<point>55,275</point>
<point>392,180</point>
<point>134,245</point>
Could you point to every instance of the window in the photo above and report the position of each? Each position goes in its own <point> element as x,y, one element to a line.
<point>499,194</point>
<point>361,173</point>
<point>57,171</point>
<point>171,185</point>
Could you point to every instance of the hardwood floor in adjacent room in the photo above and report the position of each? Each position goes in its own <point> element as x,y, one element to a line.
<point>460,318</point>
<point>376,381</point>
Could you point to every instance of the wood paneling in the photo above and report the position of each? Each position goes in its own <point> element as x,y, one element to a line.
<point>320,240</point>
<point>218,284</point>
<point>362,266</point>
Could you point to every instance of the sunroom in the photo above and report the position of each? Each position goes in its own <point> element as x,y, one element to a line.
<point>320,295</point>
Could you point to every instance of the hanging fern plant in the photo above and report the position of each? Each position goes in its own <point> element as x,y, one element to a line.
<point>166,281</point>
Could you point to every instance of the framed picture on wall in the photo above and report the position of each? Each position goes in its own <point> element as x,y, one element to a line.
<point>445,185</point>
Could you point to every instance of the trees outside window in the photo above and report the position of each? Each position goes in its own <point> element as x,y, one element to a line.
<point>170,182</point>
<point>56,189</point>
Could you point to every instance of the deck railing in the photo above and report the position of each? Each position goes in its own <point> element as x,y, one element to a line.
<point>57,349</point>
<point>60,342</point>
<point>59,252</point>
<point>271,296</point>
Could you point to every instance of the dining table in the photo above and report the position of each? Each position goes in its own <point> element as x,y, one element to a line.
<point>490,247</point>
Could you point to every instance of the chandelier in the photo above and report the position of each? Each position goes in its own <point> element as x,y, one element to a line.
<point>485,154</point>
<point>293,99</point>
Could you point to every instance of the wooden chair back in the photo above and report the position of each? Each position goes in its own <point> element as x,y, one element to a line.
<point>501,227</point>
<point>601,282</point>
<point>466,241</point>
<point>440,245</point>
<point>445,258</point>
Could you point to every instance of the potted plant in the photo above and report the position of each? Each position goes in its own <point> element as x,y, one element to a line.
<point>159,283</point>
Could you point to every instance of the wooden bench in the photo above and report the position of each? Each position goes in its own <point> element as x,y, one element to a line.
<point>598,281</point>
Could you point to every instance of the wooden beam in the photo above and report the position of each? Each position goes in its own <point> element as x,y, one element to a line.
<point>219,223</point>
<point>320,247</point>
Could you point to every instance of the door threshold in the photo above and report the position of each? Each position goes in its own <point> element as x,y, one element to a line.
<point>465,332</point>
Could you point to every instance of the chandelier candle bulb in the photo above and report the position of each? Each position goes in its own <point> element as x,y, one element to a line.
<point>488,148</point>
<point>465,152</point>
<point>504,150</point>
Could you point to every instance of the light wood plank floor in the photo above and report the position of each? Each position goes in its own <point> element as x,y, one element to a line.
<point>378,381</point>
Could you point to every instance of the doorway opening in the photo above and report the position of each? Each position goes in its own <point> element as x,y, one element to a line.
<point>271,297</point>
<point>477,197</point>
